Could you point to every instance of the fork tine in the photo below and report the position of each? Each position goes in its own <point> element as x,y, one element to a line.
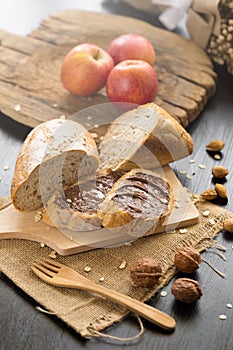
<point>52,262</point>
<point>41,271</point>
<point>48,265</point>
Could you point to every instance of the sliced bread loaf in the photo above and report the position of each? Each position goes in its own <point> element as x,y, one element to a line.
<point>76,207</point>
<point>137,203</point>
<point>54,154</point>
<point>146,137</point>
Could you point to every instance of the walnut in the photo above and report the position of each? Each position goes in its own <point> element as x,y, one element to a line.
<point>186,290</point>
<point>145,272</point>
<point>187,259</point>
<point>220,171</point>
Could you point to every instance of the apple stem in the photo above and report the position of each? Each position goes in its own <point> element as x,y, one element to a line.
<point>96,56</point>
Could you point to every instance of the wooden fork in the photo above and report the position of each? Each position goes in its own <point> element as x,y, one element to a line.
<point>60,275</point>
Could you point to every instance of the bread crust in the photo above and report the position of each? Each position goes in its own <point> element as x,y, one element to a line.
<point>146,137</point>
<point>47,152</point>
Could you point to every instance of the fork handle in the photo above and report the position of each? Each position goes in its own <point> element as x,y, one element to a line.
<point>150,313</point>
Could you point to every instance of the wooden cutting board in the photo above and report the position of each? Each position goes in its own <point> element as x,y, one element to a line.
<point>30,87</point>
<point>18,225</point>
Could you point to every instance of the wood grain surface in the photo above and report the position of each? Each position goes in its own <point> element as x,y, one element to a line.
<point>30,87</point>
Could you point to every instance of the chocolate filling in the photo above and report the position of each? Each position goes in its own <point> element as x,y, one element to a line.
<point>86,197</point>
<point>143,195</point>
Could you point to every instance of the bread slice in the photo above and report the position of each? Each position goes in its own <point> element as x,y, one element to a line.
<point>76,207</point>
<point>137,203</point>
<point>54,154</point>
<point>146,137</point>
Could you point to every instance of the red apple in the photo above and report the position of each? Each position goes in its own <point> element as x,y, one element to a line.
<point>132,47</point>
<point>85,69</point>
<point>132,81</point>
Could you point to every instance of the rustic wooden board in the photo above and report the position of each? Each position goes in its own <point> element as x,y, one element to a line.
<point>18,225</point>
<point>30,87</point>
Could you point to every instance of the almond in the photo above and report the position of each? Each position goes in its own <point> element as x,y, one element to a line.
<point>220,171</point>
<point>215,146</point>
<point>228,225</point>
<point>221,191</point>
<point>209,194</point>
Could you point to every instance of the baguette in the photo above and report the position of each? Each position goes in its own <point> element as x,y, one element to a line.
<point>137,203</point>
<point>146,137</point>
<point>54,154</point>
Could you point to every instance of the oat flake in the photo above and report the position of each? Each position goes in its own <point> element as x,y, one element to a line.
<point>87,269</point>
<point>183,230</point>
<point>17,108</point>
<point>222,317</point>
<point>206,213</point>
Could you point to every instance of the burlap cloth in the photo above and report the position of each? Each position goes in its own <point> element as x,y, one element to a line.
<point>87,313</point>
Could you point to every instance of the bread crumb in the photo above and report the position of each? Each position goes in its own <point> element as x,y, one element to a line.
<point>38,216</point>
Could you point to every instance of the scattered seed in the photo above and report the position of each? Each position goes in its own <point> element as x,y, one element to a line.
<point>202,166</point>
<point>212,222</point>
<point>182,172</point>
<point>206,213</point>
<point>68,200</point>
<point>89,117</point>
<point>101,138</point>
<point>222,317</point>
<point>87,269</point>
<point>42,245</point>
<point>94,135</point>
<point>17,108</point>
<point>128,243</point>
<point>229,306</point>
<point>183,230</point>
<point>55,105</point>
<point>101,279</point>
<point>0,178</point>
<point>190,176</point>
<point>177,205</point>
<point>96,126</point>
<point>62,117</point>
<point>217,156</point>
<point>163,293</point>
<point>53,254</point>
<point>192,161</point>
<point>122,265</point>
<point>6,167</point>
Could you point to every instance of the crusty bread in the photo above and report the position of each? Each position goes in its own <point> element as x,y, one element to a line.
<point>76,207</point>
<point>146,137</point>
<point>54,154</point>
<point>137,203</point>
